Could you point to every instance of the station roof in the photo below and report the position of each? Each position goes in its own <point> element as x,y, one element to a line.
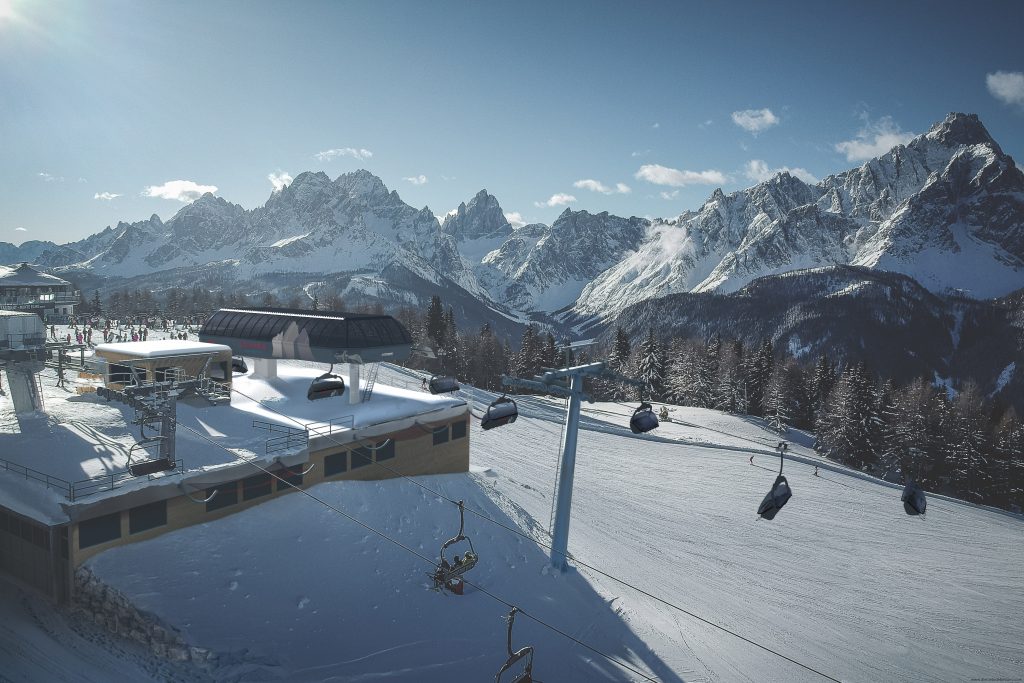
<point>321,336</point>
<point>25,275</point>
<point>161,348</point>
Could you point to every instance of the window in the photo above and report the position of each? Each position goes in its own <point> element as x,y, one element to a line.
<point>386,452</point>
<point>227,495</point>
<point>146,517</point>
<point>361,457</point>
<point>254,487</point>
<point>291,475</point>
<point>441,435</point>
<point>99,530</point>
<point>336,463</point>
<point>121,374</point>
<point>458,430</point>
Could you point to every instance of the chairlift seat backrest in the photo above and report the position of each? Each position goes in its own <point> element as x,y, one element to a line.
<point>325,386</point>
<point>524,676</point>
<point>147,467</point>
<point>776,498</point>
<point>914,500</point>
<point>643,420</point>
<point>238,365</point>
<point>501,412</point>
<point>443,385</point>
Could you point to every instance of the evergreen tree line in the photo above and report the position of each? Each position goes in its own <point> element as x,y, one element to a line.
<point>963,443</point>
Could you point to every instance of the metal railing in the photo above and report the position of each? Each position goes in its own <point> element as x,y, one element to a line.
<point>73,490</point>
<point>338,424</point>
<point>287,437</point>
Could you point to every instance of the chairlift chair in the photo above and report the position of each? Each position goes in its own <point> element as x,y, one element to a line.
<point>446,571</point>
<point>443,384</point>
<point>643,420</point>
<point>914,500</point>
<point>501,412</point>
<point>326,385</point>
<point>523,654</point>
<point>238,365</point>
<point>778,496</point>
<point>146,467</point>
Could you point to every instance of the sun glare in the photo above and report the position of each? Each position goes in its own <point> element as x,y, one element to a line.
<point>6,11</point>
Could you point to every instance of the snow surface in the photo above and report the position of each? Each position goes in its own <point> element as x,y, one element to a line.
<point>841,580</point>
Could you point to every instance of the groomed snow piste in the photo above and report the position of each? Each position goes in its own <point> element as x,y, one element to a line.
<point>842,580</point>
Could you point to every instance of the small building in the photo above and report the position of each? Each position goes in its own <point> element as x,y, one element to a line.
<point>23,288</point>
<point>126,363</point>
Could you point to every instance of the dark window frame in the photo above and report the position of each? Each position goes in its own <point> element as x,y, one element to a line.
<point>441,435</point>
<point>145,517</point>
<point>257,486</point>
<point>331,462</point>
<point>227,495</point>
<point>459,430</point>
<point>99,530</point>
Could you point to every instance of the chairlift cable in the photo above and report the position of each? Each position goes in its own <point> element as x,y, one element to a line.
<point>423,557</point>
<point>568,556</point>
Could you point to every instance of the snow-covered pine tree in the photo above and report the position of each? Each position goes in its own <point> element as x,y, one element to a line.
<point>435,323</point>
<point>651,367</point>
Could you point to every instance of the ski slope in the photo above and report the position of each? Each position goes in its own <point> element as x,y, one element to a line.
<point>842,580</point>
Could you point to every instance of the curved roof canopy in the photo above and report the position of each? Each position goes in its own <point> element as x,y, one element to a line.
<point>321,336</point>
<point>27,276</point>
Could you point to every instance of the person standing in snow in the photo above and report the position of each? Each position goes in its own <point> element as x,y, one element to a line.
<point>751,460</point>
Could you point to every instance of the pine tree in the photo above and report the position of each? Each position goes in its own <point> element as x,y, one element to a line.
<point>97,305</point>
<point>435,324</point>
<point>651,367</point>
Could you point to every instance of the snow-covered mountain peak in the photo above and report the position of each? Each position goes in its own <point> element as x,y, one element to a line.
<point>960,129</point>
<point>481,218</point>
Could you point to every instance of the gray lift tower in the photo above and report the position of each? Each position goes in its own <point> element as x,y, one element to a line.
<point>568,383</point>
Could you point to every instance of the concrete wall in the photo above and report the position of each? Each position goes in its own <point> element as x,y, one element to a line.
<point>35,554</point>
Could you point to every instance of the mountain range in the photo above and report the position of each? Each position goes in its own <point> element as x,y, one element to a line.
<point>946,210</point>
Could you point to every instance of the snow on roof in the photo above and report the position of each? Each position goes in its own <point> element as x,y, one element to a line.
<point>25,275</point>
<point>85,436</point>
<point>16,314</point>
<point>161,348</point>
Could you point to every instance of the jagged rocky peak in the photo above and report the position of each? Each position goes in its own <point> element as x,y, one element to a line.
<point>482,217</point>
<point>361,183</point>
<point>960,129</point>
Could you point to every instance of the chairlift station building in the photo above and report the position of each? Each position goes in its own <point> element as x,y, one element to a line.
<point>65,490</point>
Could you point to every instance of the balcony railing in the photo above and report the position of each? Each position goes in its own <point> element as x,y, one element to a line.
<point>40,300</point>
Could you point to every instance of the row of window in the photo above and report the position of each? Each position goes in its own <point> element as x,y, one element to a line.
<point>36,534</point>
<point>152,515</point>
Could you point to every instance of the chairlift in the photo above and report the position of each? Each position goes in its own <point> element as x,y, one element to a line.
<point>501,412</point>
<point>643,420</point>
<point>443,384</point>
<point>326,385</point>
<point>146,467</point>
<point>914,500</point>
<point>778,496</point>
<point>448,574</point>
<point>238,365</point>
<point>523,655</point>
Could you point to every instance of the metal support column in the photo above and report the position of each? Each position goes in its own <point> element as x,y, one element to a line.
<point>560,541</point>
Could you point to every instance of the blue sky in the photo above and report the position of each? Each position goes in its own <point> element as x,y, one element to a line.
<point>633,108</point>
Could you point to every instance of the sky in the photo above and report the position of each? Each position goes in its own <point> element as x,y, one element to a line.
<point>117,110</point>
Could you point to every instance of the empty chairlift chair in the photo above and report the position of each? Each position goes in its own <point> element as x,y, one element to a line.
<point>326,385</point>
<point>778,496</point>
<point>142,468</point>
<point>643,420</point>
<point>443,384</point>
<point>238,365</point>
<point>518,668</point>
<point>447,571</point>
<point>501,412</point>
<point>914,500</point>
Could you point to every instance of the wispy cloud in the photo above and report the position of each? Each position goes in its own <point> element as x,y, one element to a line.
<point>557,199</point>
<point>280,180</point>
<point>598,186</point>
<point>655,125</point>
<point>329,154</point>
<point>515,219</point>
<point>417,179</point>
<point>669,195</point>
<point>20,229</point>
<point>707,123</point>
<point>874,139</point>
<point>758,171</point>
<point>179,190</point>
<point>673,177</point>
<point>755,120</point>
<point>1007,86</point>
<point>640,153</point>
<point>440,219</point>
<point>50,178</point>
<point>106,196</point>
